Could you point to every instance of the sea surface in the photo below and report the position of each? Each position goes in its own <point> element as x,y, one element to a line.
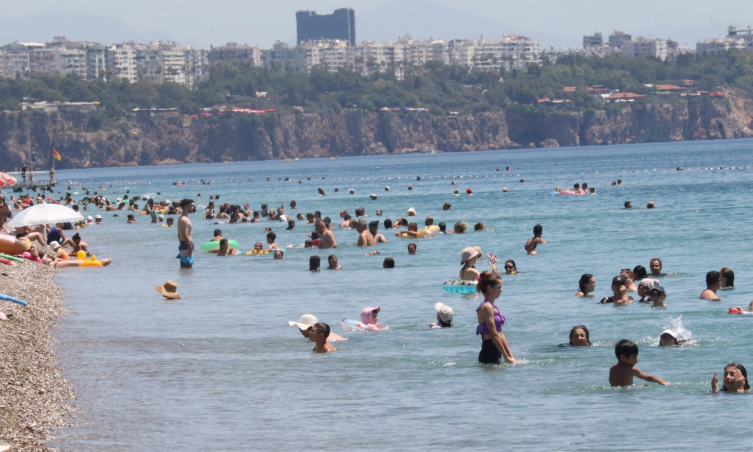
<point>222,370</point>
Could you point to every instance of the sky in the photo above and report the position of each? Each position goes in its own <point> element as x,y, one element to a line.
<point>555,23</point>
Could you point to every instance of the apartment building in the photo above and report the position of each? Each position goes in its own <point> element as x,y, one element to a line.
<point>617,38</point>
<point>726,43</point>
<point>17,58</point>
<point>645,46</point>
<point>120,61</point>
<point>594,40</point>
<point>246,54</point>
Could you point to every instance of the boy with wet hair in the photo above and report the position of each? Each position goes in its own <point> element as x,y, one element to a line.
<point>623,372</point>
<point>713,283</point>
<point>319,334</point>
<point>271,241</point>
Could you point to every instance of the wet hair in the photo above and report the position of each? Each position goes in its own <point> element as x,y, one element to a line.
<point>487,280</point>
<point>442,226</point>
<point>374,225</point>
<point>742,371</point>
<point>388,262</point>
<point>322,328</point>
<point>625,348</point>
<point>415,247</point>
<point>387,224</point>
<point>314,235</point>
<point>585,279</point>
<point>478,226</point>
<point>730,275</point>
<point>292,204</point>
<point>657,259</point>
<point>576,186</point>
<point>314,262</point>
<point>513,264</point>
<point>538,229</point>
<point>327,221</point>
<point>317,214</point>
<point>413,226</point>
<point>330,257</point>
<point>291,223</point>
<point>461,226</point>
<point>223,242</point>
<point>640,272</point>
<point>580,327</point>
<point>281,254</point>
<point>272,236</point>
<point>712,278</point>
<point>185,202</point>
<point>361,222</point>
<point>217,232</point>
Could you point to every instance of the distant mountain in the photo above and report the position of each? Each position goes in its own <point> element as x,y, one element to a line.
<point>424,19</point>
<point>76,27</point>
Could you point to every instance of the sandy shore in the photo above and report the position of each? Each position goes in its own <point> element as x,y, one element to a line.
<point>33,393</point>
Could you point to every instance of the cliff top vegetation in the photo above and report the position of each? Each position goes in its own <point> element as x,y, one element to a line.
<point>435,86</point>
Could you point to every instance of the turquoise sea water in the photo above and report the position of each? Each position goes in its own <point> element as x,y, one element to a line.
<point>222,370</point>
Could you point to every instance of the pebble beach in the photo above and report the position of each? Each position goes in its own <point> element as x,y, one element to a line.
<point>34,393</point>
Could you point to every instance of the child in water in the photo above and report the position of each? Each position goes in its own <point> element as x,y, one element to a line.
<point>623,372</point>
<point>444,316</point>
<point>369,315</point>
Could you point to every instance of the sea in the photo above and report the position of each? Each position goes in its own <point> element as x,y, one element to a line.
<point>221,369</point>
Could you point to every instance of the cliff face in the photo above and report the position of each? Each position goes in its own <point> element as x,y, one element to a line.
<point>163,138</point>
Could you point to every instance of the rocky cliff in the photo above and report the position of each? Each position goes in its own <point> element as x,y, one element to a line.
<point>169,137</point>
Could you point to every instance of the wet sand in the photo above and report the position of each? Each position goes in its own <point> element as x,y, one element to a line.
<point>33,392</point>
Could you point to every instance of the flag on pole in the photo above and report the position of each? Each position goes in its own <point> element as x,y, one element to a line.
<point>56,155</point>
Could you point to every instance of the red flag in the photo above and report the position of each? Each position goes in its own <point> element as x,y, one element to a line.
<point>56,155</point>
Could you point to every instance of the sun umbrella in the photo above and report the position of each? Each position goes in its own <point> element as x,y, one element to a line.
<point>6,180</point>
<point>44,214</point>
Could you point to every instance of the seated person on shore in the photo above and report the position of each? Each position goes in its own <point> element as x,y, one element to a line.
<point>60,254</point>
<point>226,250</point>
<point>412,249</point>
<point>713,283</point>
<point>388,262</point>
<point>374,231</point>
<point>619,293</point>
<point>319,334</point>
<point>77,244</point>
<point>55,234</point>
<point>271,241</point>
<point>669,338</point>
<point>278,254</point>
<point>623,372</point>
<point>327,237</point>
<point>727,279</point>
<point>32,234</point>
<point>333,265</point>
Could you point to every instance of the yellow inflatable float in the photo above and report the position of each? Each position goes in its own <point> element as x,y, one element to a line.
<point>93,262</point>
<point>428,231</point>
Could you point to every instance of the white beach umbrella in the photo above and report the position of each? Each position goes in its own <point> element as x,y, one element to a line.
<point>44,214</point>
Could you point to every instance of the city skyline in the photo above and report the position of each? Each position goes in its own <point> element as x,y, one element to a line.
<point>202,24</point>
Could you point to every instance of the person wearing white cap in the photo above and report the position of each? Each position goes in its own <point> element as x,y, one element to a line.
<point>669,337</point>
<point>444,316</point>
<point>306,322</point>
<point>89,219</point>
<point>468,258</point>
<point>98,219</point>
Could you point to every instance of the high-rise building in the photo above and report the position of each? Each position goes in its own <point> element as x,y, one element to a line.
<point>595,40</point>
<point>340,25</point>
<point>617,38</point>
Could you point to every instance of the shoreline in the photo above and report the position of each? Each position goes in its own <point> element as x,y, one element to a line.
<point>34,394</point>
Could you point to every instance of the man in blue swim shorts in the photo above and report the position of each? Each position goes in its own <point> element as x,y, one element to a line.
<point>184,235</point>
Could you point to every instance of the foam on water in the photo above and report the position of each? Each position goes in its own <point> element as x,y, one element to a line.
<point>222,370</point>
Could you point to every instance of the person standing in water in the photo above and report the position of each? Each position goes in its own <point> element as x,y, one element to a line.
<point>185,247</point>
<point>494,343</point>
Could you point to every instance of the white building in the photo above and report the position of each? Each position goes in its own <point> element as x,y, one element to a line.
<point>17,58</point>
<point>121,61</point>
<point>232,51</point>
<point>645,46</point>
<point>725,43</point>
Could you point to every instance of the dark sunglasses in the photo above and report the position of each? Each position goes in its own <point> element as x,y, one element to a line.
<point>509,266</point>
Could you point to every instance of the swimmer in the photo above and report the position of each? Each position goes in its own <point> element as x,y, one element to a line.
<point>291,225</point>
<point>650,205</point>
<point>460,227</point>
<point>327,239</point>
<point>494,343</point>
<point>444,316</point>
<point>319,334</point>
<point>429,221</point>
<point>306,322</point>
<point>170,223</point>
<point>735,379</point>
<point>658,295</point>
<point>639,272</point>
<point>727,278</point>
<point>217,235</point>
<point>258,247</point>
<point>628,276</point>
<point>511,268</point>
<point>314,262</point>
<point>379,212</point>
<point>623,372</point>
<point>226,250</point>
<point>446,206</point>
<point>628,204</point>
<point>185,237</point>
<point>411,232</point>
<point>293,205</point>
<point>374,231</point>
<point>468,259</point>
<point>97,219</point>
<point>530,247</point>
<point>443,228</point>
<point>580,337</point>
<point>411,212</point>
<point>713,283</point>
<point>308,244</point>
<point>278,254</point>
<point>387,224</point>
<point>538,230</point>
<point>271,241</point>
<point>586,285</point>
<point>656,266</point>
<point>300,217</point>
<point>346,221</point>
<point>412,249</point>
<point>669,338</point>
<point>333,265</point>
<point>644,289</point>
<point>388,262</point>
<point>619,293</point>
<point>369,316</point>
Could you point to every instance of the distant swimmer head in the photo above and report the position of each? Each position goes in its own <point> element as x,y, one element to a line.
<point>579,336</point>
<point>728,277</point>
<point>444,314</point>
<point>650,205</point>
<point>668,338</point>
<point>729,376</point>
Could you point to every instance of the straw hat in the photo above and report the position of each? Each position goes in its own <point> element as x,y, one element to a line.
<point>306,322</point>
<point>169,290</point>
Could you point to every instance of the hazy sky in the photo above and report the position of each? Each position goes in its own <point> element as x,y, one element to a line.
<point>555,22</point>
